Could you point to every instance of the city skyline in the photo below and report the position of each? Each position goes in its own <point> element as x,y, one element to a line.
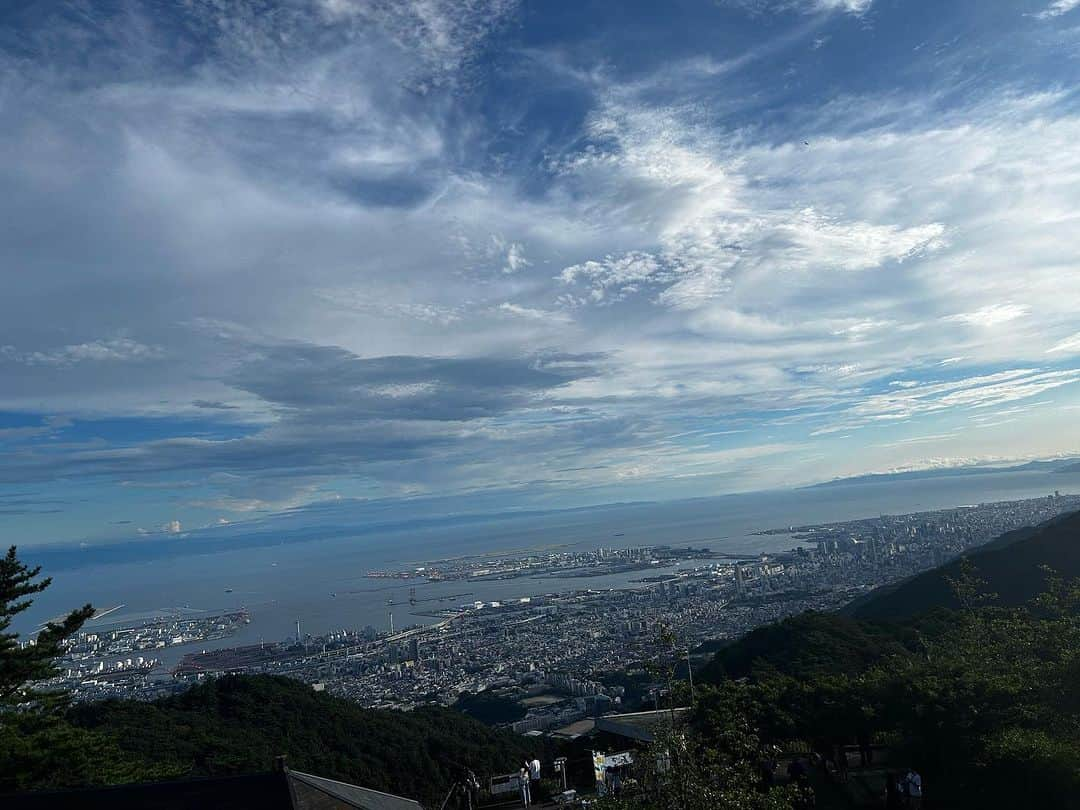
<point>262,257</point>
<point>576,613</point>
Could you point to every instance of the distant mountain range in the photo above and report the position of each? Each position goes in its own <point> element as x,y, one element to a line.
<point>1061,465</point>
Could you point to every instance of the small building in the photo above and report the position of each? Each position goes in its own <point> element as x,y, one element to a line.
<point>641,727</point>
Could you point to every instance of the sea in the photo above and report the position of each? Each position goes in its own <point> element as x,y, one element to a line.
<point>323,582</point>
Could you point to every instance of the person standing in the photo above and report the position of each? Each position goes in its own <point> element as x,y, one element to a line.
<point>840,757</point>
<point>472,789</point>
<point>913,788</point>
<point>534,774</point>
<point>892,791</point>
<point>523,779</point>
<point>866,751</point>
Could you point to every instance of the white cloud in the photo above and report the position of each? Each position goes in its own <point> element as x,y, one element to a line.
<point>907,402</point>
<point>850,6</point>
<point>991,315</point>
<point>787,278</point>
<point>172,527</point>
<point>443,35</point>
<point>97,351</point>
<point>1070,345</point>
<point>612,278</point>
<point>816,241</point>
<point>1057,8</point>
<point>319,190</point>
<point>403,391</point>
<point>515,258</point>
<point>715,213</point>
<point>370,302</point>
<point>532,314</point>
<point>856,7</point>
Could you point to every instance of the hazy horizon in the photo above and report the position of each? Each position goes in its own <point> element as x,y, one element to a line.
<point>265,257</point>
<point>282,568</point>
<point>375,521</point>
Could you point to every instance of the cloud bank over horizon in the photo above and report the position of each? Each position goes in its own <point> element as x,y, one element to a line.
<point>264,255</point>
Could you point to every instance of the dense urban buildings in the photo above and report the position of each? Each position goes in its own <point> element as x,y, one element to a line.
<point>555,658</point>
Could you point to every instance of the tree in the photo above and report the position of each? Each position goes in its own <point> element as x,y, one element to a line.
<point>981,697</point>
<point>21,665</point>
<point>712,762</point>
<point>687,770</point>
<point>37,747</point>
<point>490,708</point>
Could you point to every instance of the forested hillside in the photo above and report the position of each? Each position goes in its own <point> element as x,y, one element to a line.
<point>1012,568</point>
<point>811,643</point>
<point>239,724</point>
<point>980,692</point>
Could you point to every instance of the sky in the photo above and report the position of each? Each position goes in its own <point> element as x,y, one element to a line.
<point>438,256</point>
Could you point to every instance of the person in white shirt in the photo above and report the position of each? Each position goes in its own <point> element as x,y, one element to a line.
<point>523,779</point>
<point>534,770</point>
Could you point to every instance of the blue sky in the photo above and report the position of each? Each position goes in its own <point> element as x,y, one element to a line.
<point>423,255</point>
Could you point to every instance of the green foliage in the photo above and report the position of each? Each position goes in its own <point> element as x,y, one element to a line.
<point>41,751</point>
<point>983,700</point>
<point>237,724</point>
<point>19,665</point>
<point>1012,568</point>
<point>698,771</point>
<point>37,748</point>
<point>711,765</point>
<point>490,708</point>
<point>811,644</point>
<point>636,683</point>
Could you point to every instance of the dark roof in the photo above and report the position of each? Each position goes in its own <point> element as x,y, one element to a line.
<point>264,790</point>
<point>316,792</point>
<point>280,790</point>
<point>641,726</point>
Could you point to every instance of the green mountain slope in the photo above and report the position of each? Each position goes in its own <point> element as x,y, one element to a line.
<point>810,644</point>
<point>1011,567</point>
<point>813,644</point>
<point>983,699</point>
<point>238,724</point>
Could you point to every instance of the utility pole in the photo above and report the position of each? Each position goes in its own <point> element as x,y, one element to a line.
<point>690,672</point>
<point>560,766</point>
<point>667,639</point>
